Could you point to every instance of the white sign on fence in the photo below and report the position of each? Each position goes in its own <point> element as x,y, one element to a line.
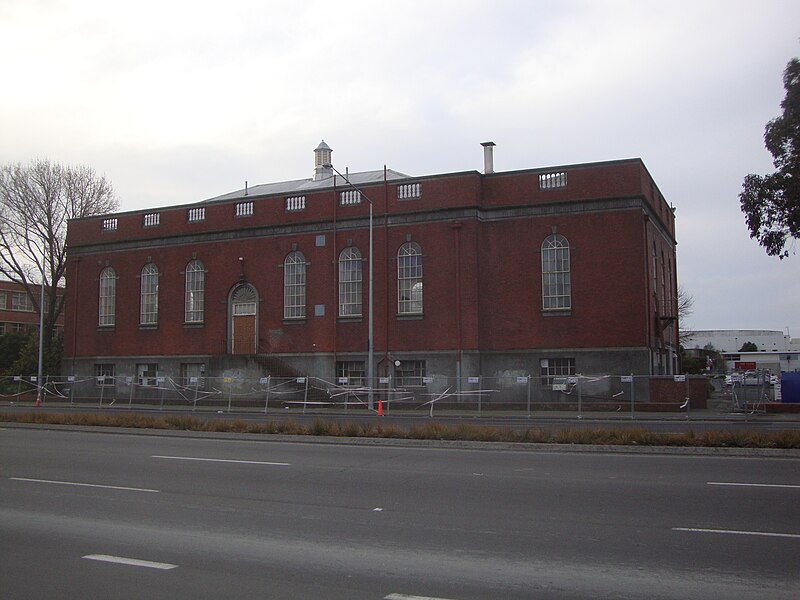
<point>474,379</point>
<point>522,380</point>
<point>383,380</point>
<point>680,378</point>
<point>427,380</point>
<point>626,379</point>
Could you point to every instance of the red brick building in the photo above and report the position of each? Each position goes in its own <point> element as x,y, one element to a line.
<point>547,271</point>
<point>18,312</point>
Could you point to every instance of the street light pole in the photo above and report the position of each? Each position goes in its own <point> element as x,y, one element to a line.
<point>370,325</point>
<point>41,345</point>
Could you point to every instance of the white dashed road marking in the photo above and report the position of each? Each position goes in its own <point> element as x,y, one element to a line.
<point>763,485</point>
<point>91,485</point>
<point>134,562</point>
<point>405,597</point>
<point>224,460</point>
<point>735,532</point>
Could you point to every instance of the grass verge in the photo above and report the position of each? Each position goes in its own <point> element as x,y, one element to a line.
<point>786,439</point>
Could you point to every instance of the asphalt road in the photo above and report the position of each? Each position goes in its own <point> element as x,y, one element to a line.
<point>99,515</point>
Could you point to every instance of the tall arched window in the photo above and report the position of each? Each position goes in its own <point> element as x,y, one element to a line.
<point>195,292</point>
<point>294,286</point>
<point>409,279</point>
<point>664,301</point>
<point>148,314</point>
<point>556,285</point>
<point>670,292</point>
<point>655,271</point>
<point>350,280</point>
<point>108,297</point>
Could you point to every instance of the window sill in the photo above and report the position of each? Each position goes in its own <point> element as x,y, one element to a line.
<point>409,316</point>
<point>557,312</point>
<point>350,319</point>
<point>106,327</point>
<point>297,321</point>
<point>148,326</point>
<point>194,325</point>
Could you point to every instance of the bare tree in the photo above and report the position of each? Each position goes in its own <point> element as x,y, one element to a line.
<point>685,309</point>
<point>36,201</point>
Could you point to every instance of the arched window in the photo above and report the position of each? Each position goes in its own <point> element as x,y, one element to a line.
<point>108,297</point>
<point>350,280</point>
<point>664,304</point>
<point>195,292</point>
<point>670,292</point>
<point>148,314</point>
<point>409,279</point>
<point>655,270</point>
<point>294,286</point>
<point>556,285</point>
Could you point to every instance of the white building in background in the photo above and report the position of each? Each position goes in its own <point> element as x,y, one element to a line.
<point>775,362</point>
<point>731,340</point>
<point>777,351</point>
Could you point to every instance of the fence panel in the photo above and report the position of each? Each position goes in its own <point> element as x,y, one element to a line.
<point>517,394</point>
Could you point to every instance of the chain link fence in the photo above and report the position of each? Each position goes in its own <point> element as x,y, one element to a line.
<point>622,396</point>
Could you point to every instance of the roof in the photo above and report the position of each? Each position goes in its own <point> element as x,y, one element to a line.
<point>299,186</point>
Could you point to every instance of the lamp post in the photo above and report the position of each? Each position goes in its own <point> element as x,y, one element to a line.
<point>41,345</point>
<point>370,340</point>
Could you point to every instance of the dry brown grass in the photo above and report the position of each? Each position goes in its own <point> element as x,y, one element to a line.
<point>638,436</point>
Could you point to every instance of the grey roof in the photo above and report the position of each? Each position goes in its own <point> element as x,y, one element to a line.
<point>299,186</point>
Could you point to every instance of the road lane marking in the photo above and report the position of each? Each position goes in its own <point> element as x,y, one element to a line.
<point>406,597</point>
<point>736,532</point>
<point>766,485</point>
<point>91,485</point>
<point>225,460</point>
<point>134,562</point>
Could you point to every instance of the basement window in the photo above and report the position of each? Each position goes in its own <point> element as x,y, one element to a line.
<point>104,374</point>
<point>147,374</point>
<point>552,368</point>
<point>409,373</point>
<point>350,372</point>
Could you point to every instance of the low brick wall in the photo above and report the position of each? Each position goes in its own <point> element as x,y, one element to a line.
<point>665,390</point>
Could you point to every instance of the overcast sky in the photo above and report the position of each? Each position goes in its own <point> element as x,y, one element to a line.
<point>179,101</point>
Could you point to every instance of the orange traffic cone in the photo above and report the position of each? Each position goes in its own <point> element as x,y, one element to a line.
<point>380,408</point>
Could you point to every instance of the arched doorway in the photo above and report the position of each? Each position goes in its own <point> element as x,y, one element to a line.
<point>243,320</point>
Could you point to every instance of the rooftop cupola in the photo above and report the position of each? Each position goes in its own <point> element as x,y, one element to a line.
<point>322,157</point>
